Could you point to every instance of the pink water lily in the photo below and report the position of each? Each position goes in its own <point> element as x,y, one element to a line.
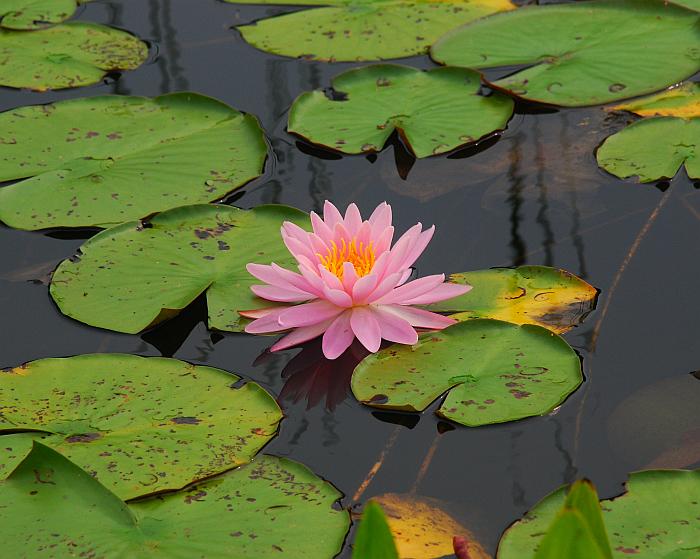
<point>351,283</point>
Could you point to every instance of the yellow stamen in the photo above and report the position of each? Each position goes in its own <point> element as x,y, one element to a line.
<point>359,255</point>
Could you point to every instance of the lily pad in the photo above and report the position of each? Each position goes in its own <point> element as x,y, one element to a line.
<point>492,372</point>
<point>349,30</point>
<point>434,111</point>
<point>682,101</point>
<point>35,14</point>
<point>104,160</point>
<point>262,510</point>
<point>138,424</point>
<point>653,149</point>
<point>655,519</point>
<point>71,54</point>
<point>606,56</point>
<point>549,297</point>
<point>135,275</point>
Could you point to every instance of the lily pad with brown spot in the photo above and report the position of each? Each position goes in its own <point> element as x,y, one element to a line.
<point>548,297</point>
<point>71,54</point>
<point>140,425</point>
<point>104,160</point>
<point>350,30</point>
<point>35,14</point>
<point>682,101</point>
<point>656,518</point>
<point>608,55</point>
<point>492,371</point>
<point>138,274</point>
<point>433,111</point>
<point>262,510</point>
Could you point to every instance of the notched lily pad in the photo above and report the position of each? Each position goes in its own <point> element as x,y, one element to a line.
<point>682,101</point>
<point>71,54</point>
<point>138,424</point>
<point>434,112</point>
<point>350,30</point>
<point>657,517</point>
<point>653,149</point>
<point>492,372</point>
<point>104,160</point>
<point>35,14</point>
<point>259,511</point>
<point>136,275</point>
<point>606,56</point>
<point>548,297</point>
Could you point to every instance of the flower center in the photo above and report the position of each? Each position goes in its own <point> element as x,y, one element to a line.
<point>359,255</point>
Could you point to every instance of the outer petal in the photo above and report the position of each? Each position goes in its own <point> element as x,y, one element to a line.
<point>338,336</point>
<point>402,248</point>
<point>394,328</point>
<point>266,324</point>
<point>299,249</point>
<point>259,313</point>
<point>363,287</point>
<point>301,335</point>
<point>384,287</point>
<point>279,277</point>
<point>308,314</point>
<point>418,248</point>
<point>440,293</point>
<point>272,293</point>
<point>366,328</point>
<point>420,318</point>
<point>382,241</point>
<point>338,297</point>
<point>380,218</point>
<point>320,228</point>
<point>411,289</point>
<point>353,219</point>
<point>331,215</point>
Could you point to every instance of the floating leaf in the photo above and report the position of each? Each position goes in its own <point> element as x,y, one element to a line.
<point>434,112</point>
<point>691,4</point>
<point>262,510</point>
<point>13,449</point>
<point>607,55</point>
<point>374,539</point>
<point>656,518</point>
<point>653,149</point>
<point>659,425</point>
<point>578,531</point>
<point>349,30</point>
<point>68,55</point>
<point>139,424</point>
<point>105,160</point>
<point>538,295</point>
<point>682,101</point>
<point>494,371</point>
<point>35,14</point>
<point>133,276</point>
<point>422,529</point>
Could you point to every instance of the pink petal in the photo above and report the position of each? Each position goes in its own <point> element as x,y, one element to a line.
<point>279,277</point>
<point>301,335</point>
<point>419,318</point>
<point>296,280</point>
<point>394,328</point>
<point>382,241</point>
<point>338,297</point>
<point>366,328</point>
<point>411,289</point>
<point>402,248</point>
<point>418,248</point>
<point>268,323</point>
<point>331,215</point>
<point>329,280</point>
<point>380,218</point>
<point>320,228</point>
<point>440,293</point>
<point>384,287</point>
<point>272,293</point>
<point>340,234</point>
<point>299,249</point>
<point>363,287</point>
<point>353,219</point>
<point>338,337</point>
<point>311,275</point>
<point>308,314</point>
<point>349,277</point>
<point>364,234</point>
<point>406,274</point>
<point>259,313</point>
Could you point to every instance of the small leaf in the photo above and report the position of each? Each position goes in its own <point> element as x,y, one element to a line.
<point>35,14</point>
<point>434,111</point>
<point>374,539</point>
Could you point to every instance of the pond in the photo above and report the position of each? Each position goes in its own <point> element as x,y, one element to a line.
<point>532,195</point>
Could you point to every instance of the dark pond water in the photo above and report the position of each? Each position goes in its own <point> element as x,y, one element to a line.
<point>533,196</point>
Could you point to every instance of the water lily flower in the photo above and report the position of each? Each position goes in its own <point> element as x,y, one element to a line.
<point>352,283</point>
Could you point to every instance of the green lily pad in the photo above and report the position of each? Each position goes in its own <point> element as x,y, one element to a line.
<point>13,449</point>
<point>374,539</point>
<point>35,14</point>
<point>434,112</point>
<point>133,276</point>
<point>657,518</point>
<point>653,149</point>
<point>262,510</point>
<point>492,372</point>
<point>104,160</point>
<point>71,54</point>
<point>608,55</point>
<point>139,424</point>
<point>349,30</point>
<point>549,297</point>
<point>682,101</point>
